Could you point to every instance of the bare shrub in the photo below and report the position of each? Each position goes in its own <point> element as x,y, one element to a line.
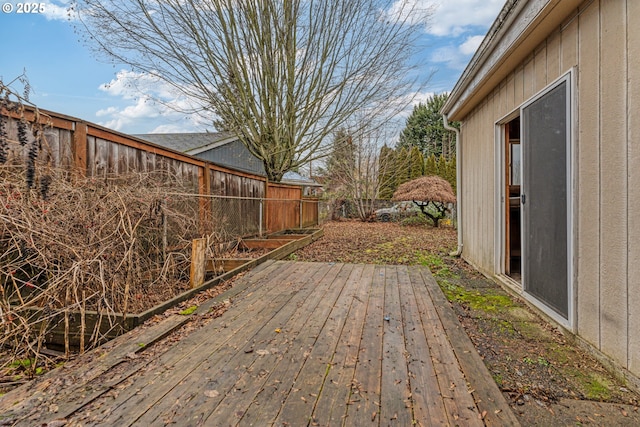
<point>71,244</point>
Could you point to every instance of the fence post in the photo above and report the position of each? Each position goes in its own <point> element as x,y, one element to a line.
<point>204,202</point>
<point>198,252</point>
<point>79,149</point>
<point>301,207</point>
<point>260,219</point>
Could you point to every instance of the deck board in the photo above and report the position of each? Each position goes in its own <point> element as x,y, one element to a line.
<point>364,401</point>
<point>301,344</point>
<point>217,369</point>
<point>331,406</point>
<point>425,389</point>
<point>396,405</point>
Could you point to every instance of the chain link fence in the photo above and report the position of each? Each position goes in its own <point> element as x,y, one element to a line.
<point>72,245</point>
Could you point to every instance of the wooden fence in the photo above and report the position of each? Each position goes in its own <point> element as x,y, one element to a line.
<point>82,147</point>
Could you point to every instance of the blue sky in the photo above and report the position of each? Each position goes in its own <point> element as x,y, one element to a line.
<point>68,79</point>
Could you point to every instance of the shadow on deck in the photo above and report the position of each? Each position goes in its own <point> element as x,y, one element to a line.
<point>300,344</point>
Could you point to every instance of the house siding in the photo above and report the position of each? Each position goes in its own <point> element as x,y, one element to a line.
<point>588,185</point>
<point>633,146</point>
<point>601,39</point>
<point>613,180</point>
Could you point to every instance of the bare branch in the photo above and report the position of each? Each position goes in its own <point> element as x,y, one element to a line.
<point>282,75</point>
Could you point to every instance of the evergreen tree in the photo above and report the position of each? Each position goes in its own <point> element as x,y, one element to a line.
<point>387,172</point>
<point>416,163</point>
<point>451,174</point>
<point>425,129</point>
<point>431,166</point>
<point>442,167</point>
<point>401,166</point>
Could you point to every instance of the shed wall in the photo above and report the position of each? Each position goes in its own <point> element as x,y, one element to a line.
<point>601,39</point>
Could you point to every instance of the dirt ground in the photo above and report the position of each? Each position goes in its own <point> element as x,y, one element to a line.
<point>545,376</point>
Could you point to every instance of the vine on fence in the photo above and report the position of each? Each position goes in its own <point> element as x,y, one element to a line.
<point>71,244</point>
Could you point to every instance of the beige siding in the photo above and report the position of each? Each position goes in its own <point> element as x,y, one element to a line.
<point>553,58</point>
<point>519,86</point>
<point>569,45</point>
<point>613,181</point>
<point>528,78</point>
<point>588,191</point>
<point>478,186</point>
<point>511,101</point>
<point>540,68</point>
<point>633,274</point>
<point>602,40</point>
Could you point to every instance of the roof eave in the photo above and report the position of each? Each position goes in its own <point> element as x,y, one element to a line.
<point>518,29</point>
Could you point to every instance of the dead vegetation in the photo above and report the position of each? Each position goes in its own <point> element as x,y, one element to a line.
<point>72,246</point>
<point>78,245</point>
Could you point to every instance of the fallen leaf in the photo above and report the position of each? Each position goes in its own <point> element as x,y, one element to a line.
<point>211,393</point>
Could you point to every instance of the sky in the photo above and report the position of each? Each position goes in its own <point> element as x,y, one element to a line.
<point>66,77</point>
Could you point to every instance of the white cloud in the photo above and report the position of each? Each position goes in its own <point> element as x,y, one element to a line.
<point>470,45</point>
<point>456,57</point>
<point>148,103</point>
<point>56,10</point>
<point>412,100</point>
<point>106,112</point>
<point>415,12</point>
<point>170,128</point>
<point>455,17</point>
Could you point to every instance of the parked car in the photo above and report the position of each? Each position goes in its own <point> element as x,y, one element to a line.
<point>397,211</point>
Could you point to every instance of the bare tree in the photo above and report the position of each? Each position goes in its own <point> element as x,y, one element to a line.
<point>356,171</point>
<point>428,192</point>
<point>281,74</point>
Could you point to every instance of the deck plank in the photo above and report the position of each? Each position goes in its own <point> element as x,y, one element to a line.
<point>396,406</point>
<point>364,400</point>
<point>331,406</point>
<point>299,405</point>
<point>255,380</point>
<point>461,408</point>
<point>300,344</point>
<point>175,366</point>
<point>195,396</point>
<point>488,398</point>
<point>426,397</point>
<point>267,406</point>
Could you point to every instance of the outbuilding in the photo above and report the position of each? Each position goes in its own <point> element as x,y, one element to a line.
<point>549,166</point>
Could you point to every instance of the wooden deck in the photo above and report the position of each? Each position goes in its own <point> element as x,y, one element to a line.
<point>324,344</point>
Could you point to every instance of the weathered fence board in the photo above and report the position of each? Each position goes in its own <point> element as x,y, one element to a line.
<point>103,153</point>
